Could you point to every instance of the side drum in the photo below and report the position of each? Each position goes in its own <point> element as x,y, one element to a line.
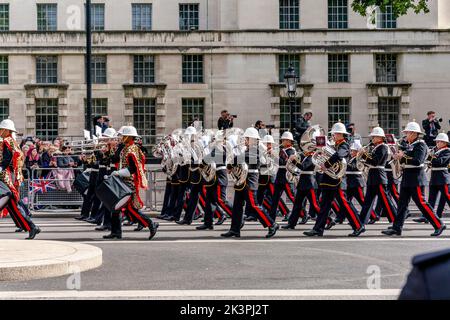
<point>114,193</point>
<point>81,183</point>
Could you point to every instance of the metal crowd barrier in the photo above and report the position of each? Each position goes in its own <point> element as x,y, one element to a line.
<point>53,187</point>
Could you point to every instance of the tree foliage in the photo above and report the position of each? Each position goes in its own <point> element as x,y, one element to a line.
<point>400,7</point>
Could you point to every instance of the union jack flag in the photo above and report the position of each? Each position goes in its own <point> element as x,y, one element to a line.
<point>42,186</point>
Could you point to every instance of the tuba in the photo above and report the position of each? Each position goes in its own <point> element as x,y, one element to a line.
<point>322,155</point>
<point>397,169</point>
<point>268,160</point>
<point>208,170</point>
<point>308,138</point>
<point>360,162</point>
<point>292,172</point>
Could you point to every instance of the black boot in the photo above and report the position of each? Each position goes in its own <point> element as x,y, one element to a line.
<point>330,225</point>
<point>272,230</point>
<point>392,232</point>
<point>221,220</point>
<point>288,227</point>
<point>204,227</point>
<point>438,232</point>
<point>231,234</point>
<point>33,232</point>
<point>140,227</point>
<point>153,229</point>
<point>313,233</point>
<point>182,222</point>
<point>112,236</point>
<point>304,220</point>
<point>421,220</point>
<point>357,233</point>
<point>103,228</point>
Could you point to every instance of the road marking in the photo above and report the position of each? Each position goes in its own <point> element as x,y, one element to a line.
<point>272,240</point>
<point>201,294</point>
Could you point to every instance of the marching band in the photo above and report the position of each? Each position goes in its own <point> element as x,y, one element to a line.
<point>322,178</point>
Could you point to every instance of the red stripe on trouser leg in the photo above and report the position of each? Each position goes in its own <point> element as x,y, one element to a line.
<point>266,204</point>
<point>137,215</point>
<point>361,197</point>
<point>395,191</point>
<point>282,206</point>
<point>202,201</point>
<point>335,206</point>
<point>427,208</point>
<point>386,203</point>
<point>26,225</point>
<point>271,187</point>
<point>349,209</point>
<point>13,216</point>
<point>447,193</point>
<point>257,209</point>
<point>222,203</point>
<point>289,193</point>
<point>314,199</point>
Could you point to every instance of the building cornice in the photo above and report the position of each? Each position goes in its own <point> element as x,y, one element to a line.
<point>375,85</point>
<point>33,86</point>
<point>159,86</point>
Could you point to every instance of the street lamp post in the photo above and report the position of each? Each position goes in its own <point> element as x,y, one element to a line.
<point>291,80</point>
<point>88,68</point>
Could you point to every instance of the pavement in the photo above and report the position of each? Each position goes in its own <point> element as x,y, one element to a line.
<point>183,263</point>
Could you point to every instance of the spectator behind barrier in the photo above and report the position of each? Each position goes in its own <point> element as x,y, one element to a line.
<point>431,126</point>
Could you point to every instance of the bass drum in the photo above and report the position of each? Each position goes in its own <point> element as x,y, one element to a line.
<point>5,195</point>
<point>114,193</point>
<point>81,183</point>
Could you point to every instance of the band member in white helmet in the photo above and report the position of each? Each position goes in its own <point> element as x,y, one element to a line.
<point>11,164</point>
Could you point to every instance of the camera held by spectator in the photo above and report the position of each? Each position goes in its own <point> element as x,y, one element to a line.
<point>226,120</point>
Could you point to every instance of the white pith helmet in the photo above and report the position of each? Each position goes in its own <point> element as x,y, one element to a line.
<point>129,131</point>
<point>190,130</point>
<point>251,133</point>
<point>356,145</point>
<point>413,127</point>
<point>377,132</point>
<point>339,127</point>
<point>287,136</point>
<point>443,137</point>
<point>109,133</point>
<point>8,124</point>
<point>268,139</point>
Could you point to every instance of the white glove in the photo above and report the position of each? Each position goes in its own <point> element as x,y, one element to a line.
<point>125,173</point>
<point>87,170</point>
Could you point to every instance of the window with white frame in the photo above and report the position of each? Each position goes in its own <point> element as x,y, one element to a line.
<point>4,17</point>
<point>47,16</point>
<point>98,70</point>
<point>47,118</point>
<point>386,19</point>
<point>389,114</point>
<point>4,70</point>
<point>189,16</point>
<point>338,68</point>
<point>4,109</point>
<point>98,16</point>
<point>289,14</point>
<point>386,67</point>
<point>193,109</point>
<point>192,68</point>
<point>337,14</point>
<point>46,69</point>
<point>144,119</point>
<point>338,110</point>
<point>144,69</point>
<point>141,16</point>
<point>284,62</point>
<point>289,113</point>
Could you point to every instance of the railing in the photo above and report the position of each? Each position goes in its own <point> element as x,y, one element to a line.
<point>53,187</point>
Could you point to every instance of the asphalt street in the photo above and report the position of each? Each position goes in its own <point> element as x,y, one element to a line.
<point>202,264</point>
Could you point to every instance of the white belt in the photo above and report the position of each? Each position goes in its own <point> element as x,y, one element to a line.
<point>439,169</point>
<point>194,169</point>
<point>94,170</point>
<point>354,172</point>
<point>281,167</point>
<point>253,171</point>
<point>112,166</point>
<point>102,167</point>
<point>388,170</point>
<point>408,166</point>
<point>306,172</point>
<point>221,168</point>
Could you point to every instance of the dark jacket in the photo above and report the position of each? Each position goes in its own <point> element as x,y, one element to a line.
<point>282,160</point>
<point>224,124</point>
<point>301,125</point>
<point>342,152</point>
<point>439,168</point>
<point>44,160</point>
<point>429,277</point>
<point>377,158</point>
<point>431,131</point>
<point>307,177</point>
<point>415,156</point>
<point>355,178</point>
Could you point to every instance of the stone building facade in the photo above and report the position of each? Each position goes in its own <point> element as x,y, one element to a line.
<point>159,64</point>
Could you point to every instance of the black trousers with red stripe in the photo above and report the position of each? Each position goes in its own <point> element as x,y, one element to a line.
<point>20,216</point>
<point>387,204</point>
<point>277,193</point>
<point>416,193</point>
<point>434,191</point>
<point>167,193</point>
<point>241,196</point>
<point>216,194</point>
<point>136,214</point>
<point>299,205</point>
<point>346,207</point>
<point>358,194</point>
